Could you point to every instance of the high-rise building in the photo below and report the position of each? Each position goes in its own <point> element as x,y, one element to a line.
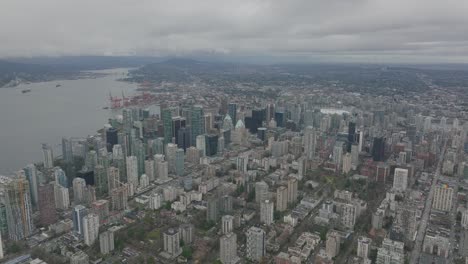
<point>363,247</point>
<point>183,138</point>
<point>346,166</point>
<point>332,246</point>
<point>232,112</point>
<point>193,155</point>
<point>100,180</point>
<point>47,213</point>
<point>266,212</point>
<point>90,228</point>
<point>178,123</point>
<point>79,185</point>
<point>211,144</point>
<point>227,224</point>
<point>166,116</point>
<point>180,162</point>
<point>1,246</point>
<point>310,142</point>
<point>149,170</point>
<point>18,208</point>
<point>443,196</point>
<point>101,209</point>
<point>261,191</point>
<point>112,138</point>
<point>48,156</point>
<point>292,190</point>
<point>162,170</point>
<point>119,198</point>
<point>113,178</point>
<point>225,204</point>
<point>197,122</point>
<point>212,212</point>
<point>155,201</point>
<point>242,161</point>
<point>31,175</point>
<point>378,149</point>
<point>79,212</point>
<point>228,249</point>
<point>106,242</point>
<point>172,242</point>
<point>67,150</point>
<point>61,197</point>
<point>201,144</point>
<point>171,150</point>
<point>60,177</point>
<point>281,198</point>
<point>132,172</point>
<point>186,233</point>
<point>256,244</point>
<point>400,179</point>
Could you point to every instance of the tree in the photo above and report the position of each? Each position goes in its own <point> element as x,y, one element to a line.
<point>167,206</point>
<point>187,252</point>
<point>150,260</point>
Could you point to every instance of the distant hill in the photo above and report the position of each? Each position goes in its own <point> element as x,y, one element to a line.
<point>53,68</point>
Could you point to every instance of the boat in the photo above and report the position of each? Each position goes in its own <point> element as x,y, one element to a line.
<point>105,107</point>
<point>58,85</point>
<point>26,90</point>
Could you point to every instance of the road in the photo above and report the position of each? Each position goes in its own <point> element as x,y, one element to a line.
<point>427,210</point>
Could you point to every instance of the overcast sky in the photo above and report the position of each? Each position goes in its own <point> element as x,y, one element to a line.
<point>363,30</point>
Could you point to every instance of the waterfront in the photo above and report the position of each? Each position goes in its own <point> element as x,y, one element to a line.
<point>49,112</point>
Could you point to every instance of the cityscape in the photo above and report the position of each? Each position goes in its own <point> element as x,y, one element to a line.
<point>203,159</point>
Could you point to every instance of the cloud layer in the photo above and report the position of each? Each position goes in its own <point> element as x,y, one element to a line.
<point>424,30</point>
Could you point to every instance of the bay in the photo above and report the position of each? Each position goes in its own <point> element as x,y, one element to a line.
<point>74,108</point>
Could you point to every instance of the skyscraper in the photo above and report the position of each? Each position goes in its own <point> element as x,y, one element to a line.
<point>179,162</point>
<point>197,122</point>
<point>212,212</point>
<point>292,190</point>
<point>256,245</point>
<point>106,242</point>
<point>400,179</point>
<point>309,142</point>
<point>266,212</point>
<point>67,150</point>
<point>90,228</point>
<point>61,197</point>
<point>228,249</point>
<point>227,224</point>
<point>113,178</point>
<point>232,112</point>
<point>166,116</point>
<point>363,248</point>
<point>211,144</point>
<point>100,180</point>
<point>378,149</point>
<point>281,198</point>
<point>31,175</point>
<point>183,137</point>
<point>18,208</point>
<point>79,212</point>
<point>111,138</point>
<point>171,150</point>
<point>79,185</point>
<point>47,213</point>
<point>261,191</point>
<point>172,242</point>
<point>48,156</point>
<point>201,144</point>
<point>132,172</point>
<point>163,170</point>
<point>60,177</point>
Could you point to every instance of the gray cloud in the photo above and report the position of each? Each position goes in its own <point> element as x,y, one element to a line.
<point>419,30</point>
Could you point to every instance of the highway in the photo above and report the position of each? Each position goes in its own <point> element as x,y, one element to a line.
<point>415,254</point>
